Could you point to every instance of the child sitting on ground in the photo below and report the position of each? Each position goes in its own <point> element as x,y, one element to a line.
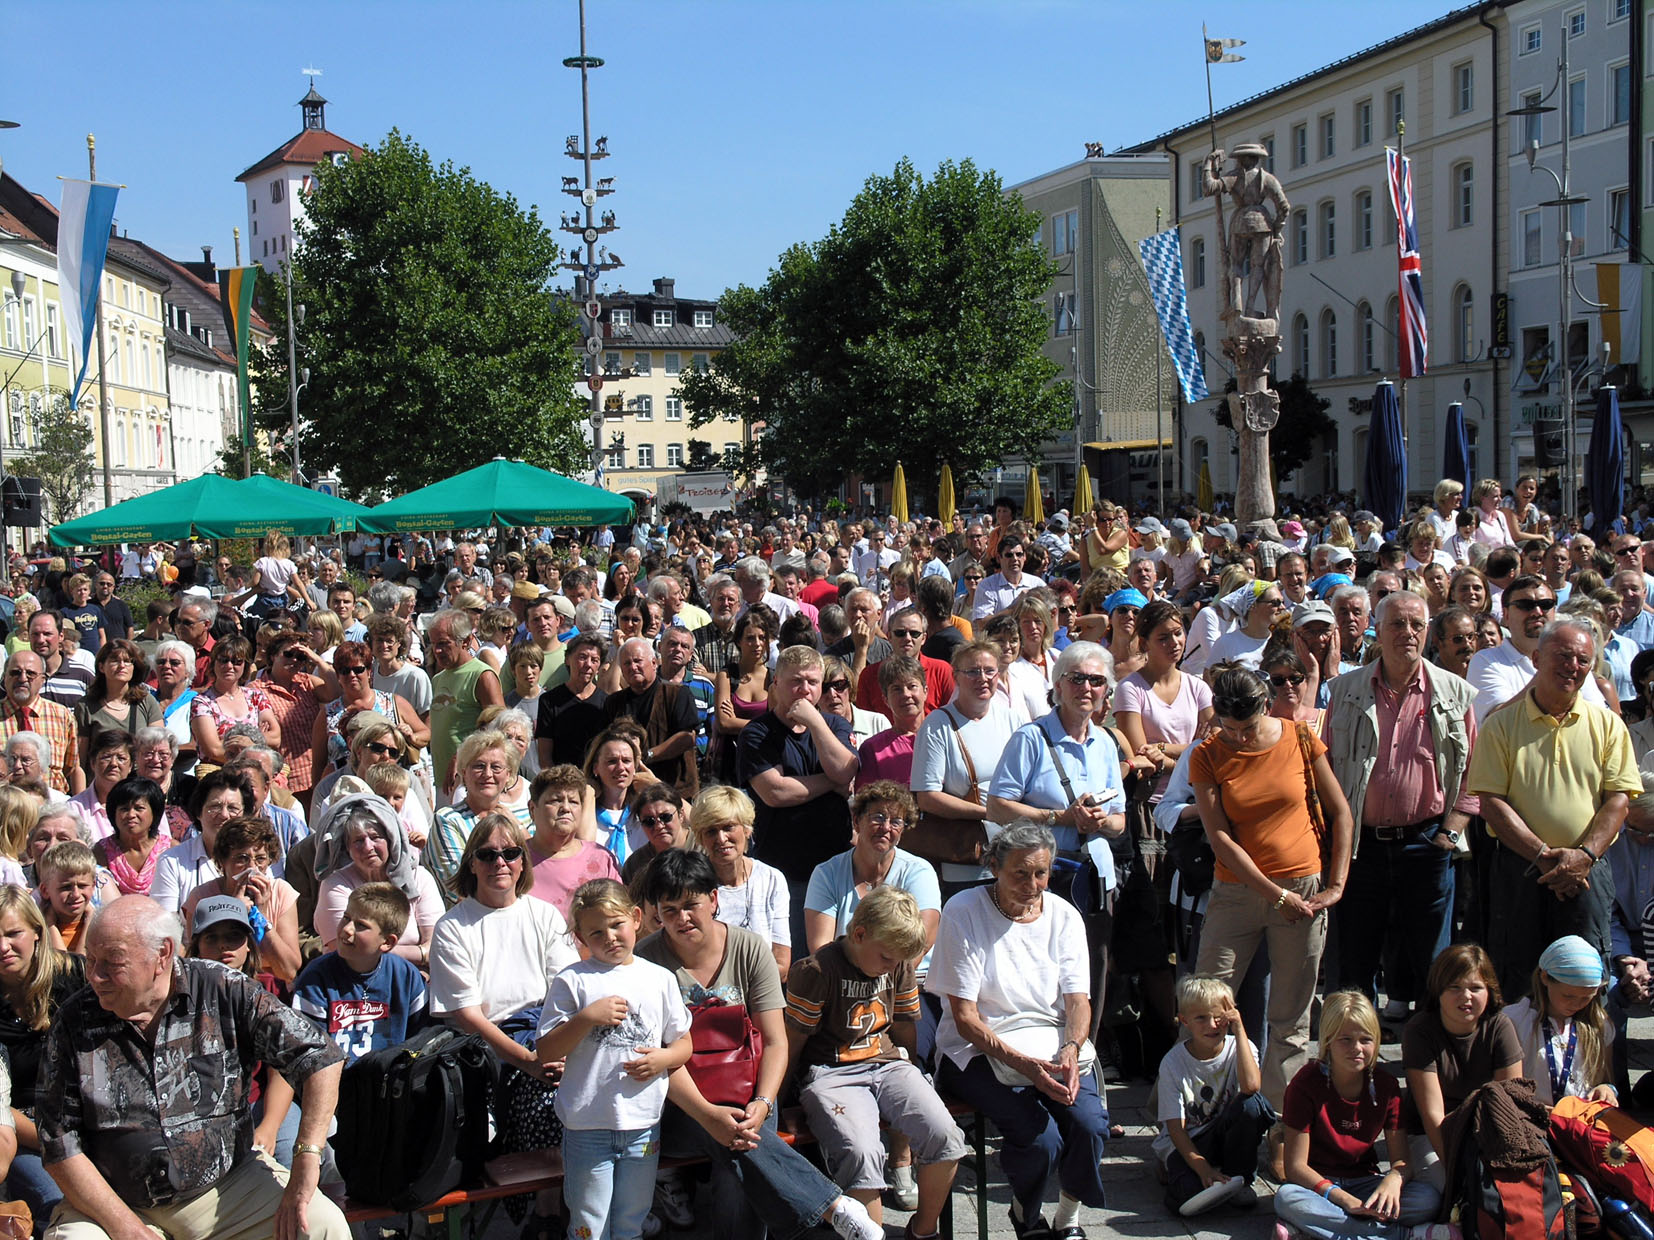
<point>852,1016</point>
<point>68,876</point>
<point>1211,1108</point>
<point>1336,1108</point>
<point>1563,1025</point>
<point>622,1025</point>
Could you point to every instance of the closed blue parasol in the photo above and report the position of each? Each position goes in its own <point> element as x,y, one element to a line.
<point>1605,461</point>
<point>1456,462</point>
<point>1386,482</point>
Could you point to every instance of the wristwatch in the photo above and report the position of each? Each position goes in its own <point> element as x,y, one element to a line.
<point>1050,818</point>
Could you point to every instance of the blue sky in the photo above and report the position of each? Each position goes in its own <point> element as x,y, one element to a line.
<point>737,127</point>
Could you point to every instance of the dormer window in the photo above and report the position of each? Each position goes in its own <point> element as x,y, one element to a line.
<point>664,318</point>
<point>703,318</point>
<point>620,318</point>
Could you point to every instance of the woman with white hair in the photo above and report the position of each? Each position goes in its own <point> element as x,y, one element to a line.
<point>174,668</point>
<point>29,756</point>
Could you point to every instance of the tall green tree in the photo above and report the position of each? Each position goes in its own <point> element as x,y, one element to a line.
<point>62,458</point>
<point>432,334</point>
<point>912,331</point>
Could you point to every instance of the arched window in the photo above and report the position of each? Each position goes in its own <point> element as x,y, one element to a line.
<point>1392,320</point>
<point>1366,329</point>
<point>1464,323</point>
<point>1329,344</point>
<point>1300,345</point>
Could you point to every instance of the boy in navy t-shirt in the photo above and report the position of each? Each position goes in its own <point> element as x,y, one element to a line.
<point>361,994</point>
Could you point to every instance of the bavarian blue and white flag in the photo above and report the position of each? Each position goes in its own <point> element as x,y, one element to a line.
<point>82,244</point>
<point>1163,261</point>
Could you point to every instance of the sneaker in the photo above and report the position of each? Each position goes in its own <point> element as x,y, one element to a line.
<point>1212,1196</point>
<point>903,1190</point>
<point>673,1201</point>
<point>652,1226</point>
<point>1396,1011</point>
<point>851,1220</point>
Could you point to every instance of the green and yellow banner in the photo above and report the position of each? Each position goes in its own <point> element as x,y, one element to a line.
<point>235,287</point>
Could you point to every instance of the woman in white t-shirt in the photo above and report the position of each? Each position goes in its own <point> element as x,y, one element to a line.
<point>751,894</point>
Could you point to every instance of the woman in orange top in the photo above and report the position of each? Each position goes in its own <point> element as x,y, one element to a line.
<point>1249,783</point>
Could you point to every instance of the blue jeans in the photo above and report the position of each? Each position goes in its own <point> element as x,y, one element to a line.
<point>1229,1143</point>
<point>609,1180</point>
<point>29,1182</point>
<point>1313,1215</point>
<point>1040,1135</point>
<point>769,1187</point>
<point>1401,890</point>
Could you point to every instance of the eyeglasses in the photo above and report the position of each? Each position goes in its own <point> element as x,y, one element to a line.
<point>380,748</point>
<point>1088,680</point>
<point>664,818</point>
<point>836,686</point>
<point>1533,604</point>
<point>488,856</point>
<point>974,576</point>
<point>230,660</point>
<point>355,669</point>
<point>979,673</point>
<point>1070,610</point>
<point>18,673</point>
<point>881,819</point>
<point>1275,602</point>
<point>1281,682</point>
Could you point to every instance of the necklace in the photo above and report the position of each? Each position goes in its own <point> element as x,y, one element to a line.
<point>1032,913</point>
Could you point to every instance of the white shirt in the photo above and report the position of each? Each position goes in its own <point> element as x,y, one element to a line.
<point>1438,556</point>
<point>783,607</point>
<point>762,904</point>
<point>995,594</point>
<point>1237,644</point>
<point>870,565</point>
<point>939,767</point>
<point>1208,626</point>
<point>501,960</point>
<point>1500,673</point>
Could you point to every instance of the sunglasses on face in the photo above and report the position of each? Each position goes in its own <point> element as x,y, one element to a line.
<point>1534,604</point>
<point>665,818</point>
<point>836,686</point>
<point>1088,680</point>
<point>380,748</point>
<point>1281,682</point>
<point>908,634</point>
<point>488,856</point>
<point>355,669</point>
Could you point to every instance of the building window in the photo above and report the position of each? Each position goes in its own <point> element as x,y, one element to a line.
<point>1396,106</point>
<point>646,456</point>
<point>1327,226</point>
<point>640,364</point>
<point>1619,95</point>
<point>1329,344</point>
<point>28,323</point>
<point>700,363</point>
<point>1366,327</point>
<point>1300,345</point>
<point>673,364</point>
<point>1532,252</point>
<point>54,340</point>
<point>11,322</point>
<point>1392,338</point>
<point>1576,108</point>
<point>620,318</point>
<point>1200,354</point>
<point>1364,219</point>
<point>611,363</point>
<point>1197,186</point>
<point>1329,139</point>
<point>703,319</point>
<point>1197,263</point>
<point>277,190</point>
<point>664,318</point>
<point>1300,236</point>
<point>1619,10</point>
<point>674,409</point>
<point>1532,126</point>
<point>645,407</point>
<point>1577,229</point>
<point>732,456</point>
<point>1464,323</point>
<point>1464,88</point>
<point>615,458</point>
<point>1619,219</point>
<point>1300,145</point>
<point>1530,40</point>
<point>1464,199</point>
<point>674,456</point>
<point>1065,314</point>
<point>1268,144</point>
<point>1576,24</point>
<point>1064,232</point>
<point>1364,122</point>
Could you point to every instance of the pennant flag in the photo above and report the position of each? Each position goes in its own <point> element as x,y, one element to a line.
<point>1620,290</point>
<point>83,224</point>
<point>235,291</point>
<point>1415,336</point>
<point>1162,256</point>
<point>1217,52</point>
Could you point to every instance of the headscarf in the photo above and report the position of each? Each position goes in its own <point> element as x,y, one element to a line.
<point>1239,602</point>
<point>1572,962</point>
<point>1125,597</point>
<point>333,841</point>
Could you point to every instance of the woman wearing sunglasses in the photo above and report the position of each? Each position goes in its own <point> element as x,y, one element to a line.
<point>353,666</point>
<point>1289,697</point>
<point>227,701</point>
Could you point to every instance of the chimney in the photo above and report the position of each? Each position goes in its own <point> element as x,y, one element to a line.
<point>206,255</point>
<point>664,288</point>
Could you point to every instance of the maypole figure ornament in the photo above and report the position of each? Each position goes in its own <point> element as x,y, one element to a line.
<point>1250,245</point>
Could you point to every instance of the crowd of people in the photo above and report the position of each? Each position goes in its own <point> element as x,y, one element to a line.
<point>960,814</point>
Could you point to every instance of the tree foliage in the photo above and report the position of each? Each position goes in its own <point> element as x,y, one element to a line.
<point>1297,435</point>
<point>912,331</point>
<point>432,335</point>
<point>62,458</point>
<point>231,462</point>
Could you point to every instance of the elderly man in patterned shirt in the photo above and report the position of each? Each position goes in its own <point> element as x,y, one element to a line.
<point>143,1111</point>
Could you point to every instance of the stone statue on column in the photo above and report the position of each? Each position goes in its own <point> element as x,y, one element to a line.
<point>1250,248</point>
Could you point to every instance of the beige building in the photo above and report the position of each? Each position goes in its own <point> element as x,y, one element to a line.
<point>658,337</point>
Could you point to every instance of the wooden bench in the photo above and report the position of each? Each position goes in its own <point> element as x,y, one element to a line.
<point>512,1175</point>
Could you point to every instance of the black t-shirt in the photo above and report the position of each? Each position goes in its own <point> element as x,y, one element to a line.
<point>797,838</point>
<point>117,618</point>
<point>23,1045</point>
<point>942,643</point>
<point>569,723</point>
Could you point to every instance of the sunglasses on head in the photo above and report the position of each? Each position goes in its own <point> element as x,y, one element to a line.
<point>488,856</point>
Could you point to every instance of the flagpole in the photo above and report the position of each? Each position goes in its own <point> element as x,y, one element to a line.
<point>97,319</point>
<point>1159,426</point>
<point>1401,171</point>
<point>1211,111</point>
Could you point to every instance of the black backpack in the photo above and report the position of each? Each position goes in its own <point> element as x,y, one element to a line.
<point>413,1119</point>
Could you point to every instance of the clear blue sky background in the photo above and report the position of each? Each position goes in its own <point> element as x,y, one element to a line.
<point>737,127</point>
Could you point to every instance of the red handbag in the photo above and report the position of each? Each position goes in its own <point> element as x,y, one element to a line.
<point>727,1049</point>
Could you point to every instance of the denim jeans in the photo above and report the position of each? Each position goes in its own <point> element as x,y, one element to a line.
<point>1229,1143</point>
<point>609,1180</point>
<point>1040,1135</point>
<point>29,1183</point>
<point>1401,891</point>
<point>1313,1215</point>
<point>769,1187</point>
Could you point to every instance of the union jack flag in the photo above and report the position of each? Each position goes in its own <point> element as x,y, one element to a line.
<point>1414,346</point>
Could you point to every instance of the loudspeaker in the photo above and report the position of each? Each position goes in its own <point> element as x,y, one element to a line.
<point>1550,441</point>
<point>20,501</point>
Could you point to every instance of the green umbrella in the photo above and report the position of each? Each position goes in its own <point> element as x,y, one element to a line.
<point>502,492</point>
<point>210,506</point>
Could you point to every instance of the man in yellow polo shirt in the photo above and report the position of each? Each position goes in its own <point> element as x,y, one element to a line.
<point>1555,774</point>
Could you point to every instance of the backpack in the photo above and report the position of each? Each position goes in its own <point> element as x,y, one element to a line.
<point>413,1119</point>
<point>1606,1148</point>
<point>1495,1204</point>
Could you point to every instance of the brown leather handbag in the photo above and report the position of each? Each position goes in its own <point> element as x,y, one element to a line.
<point>953,841</point>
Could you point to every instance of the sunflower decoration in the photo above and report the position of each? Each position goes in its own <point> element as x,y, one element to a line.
<point>1616,1154</point>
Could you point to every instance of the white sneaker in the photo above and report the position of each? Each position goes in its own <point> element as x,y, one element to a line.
<point>903,1188</point>
<point>1212,1196</point>
<point>672,1199</point>
<point>851,1220</point>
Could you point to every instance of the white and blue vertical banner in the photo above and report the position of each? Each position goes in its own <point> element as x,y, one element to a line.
<point>1162,256</point>
<point>83,225</point>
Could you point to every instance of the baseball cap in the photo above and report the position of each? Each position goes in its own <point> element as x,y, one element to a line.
<point>1182,530</point>
<point>564,607</point>
<point>1224,530</point>
<point>1341,555</point>
<point>1311,611</point>
<point>1150,525</point>
<point>217,909</point>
